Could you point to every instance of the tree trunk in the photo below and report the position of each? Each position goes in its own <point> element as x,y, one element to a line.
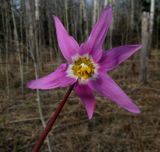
<point>33,43</point>
<point>5,21</point>
<point>132,15</point>
<point>144,50</point>
<point>151,21</point>
<point>83,21</point>
<point>16,39</point>
<point>105,2</point>
<point>95,12</point>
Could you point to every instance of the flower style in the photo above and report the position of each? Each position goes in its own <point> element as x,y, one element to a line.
<point>88,65</point>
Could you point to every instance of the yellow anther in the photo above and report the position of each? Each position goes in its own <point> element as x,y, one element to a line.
<point>83,68</point>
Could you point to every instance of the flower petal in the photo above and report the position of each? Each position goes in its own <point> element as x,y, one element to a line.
<point>96,39</point>
<point>96,55</point>
<point>112,58</point>
<point>67,43</point>
<point>56,79</point>
<point>108,88</point>
<point>99,31</point>
<point>87,98</point>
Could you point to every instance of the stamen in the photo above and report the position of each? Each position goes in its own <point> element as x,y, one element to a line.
<point>83,68</point>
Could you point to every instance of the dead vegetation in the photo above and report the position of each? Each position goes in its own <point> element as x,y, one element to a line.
<point>111,130</point>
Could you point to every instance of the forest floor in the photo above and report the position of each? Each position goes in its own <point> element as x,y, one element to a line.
<point>112,129</point>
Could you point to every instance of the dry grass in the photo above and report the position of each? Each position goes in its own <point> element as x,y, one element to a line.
<point>111,130</point>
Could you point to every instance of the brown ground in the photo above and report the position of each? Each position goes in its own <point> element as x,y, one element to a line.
<point>112,129</point>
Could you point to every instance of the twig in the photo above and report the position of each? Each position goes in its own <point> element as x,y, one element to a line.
<point>40,108</point>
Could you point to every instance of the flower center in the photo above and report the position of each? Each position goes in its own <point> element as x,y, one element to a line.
<point>83,68</point>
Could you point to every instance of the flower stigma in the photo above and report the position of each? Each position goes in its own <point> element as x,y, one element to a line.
<point>83,68</point>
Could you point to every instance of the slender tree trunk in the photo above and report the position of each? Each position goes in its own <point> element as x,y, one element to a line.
<point>22,36</point>
<point>6,25</point>
<point>144,50</point>
<point>66,13</point>
<point>81,19</point>
<point>36,32</point>
<point>105,2</point>
<point>36,68</point>
<point>111,27</point>
<point>95,12</point>
<point>50,31</point>
<point>32,40</point>
<point>151,21</point>
<point>16,39</point>
<point>132,15</point>
<point>84,23</point>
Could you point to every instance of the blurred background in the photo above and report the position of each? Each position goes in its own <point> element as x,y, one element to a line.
<point>28,50</point>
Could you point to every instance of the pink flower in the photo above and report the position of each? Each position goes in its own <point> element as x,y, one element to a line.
<point>88,65</point>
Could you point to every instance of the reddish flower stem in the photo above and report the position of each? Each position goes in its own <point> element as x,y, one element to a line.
<point>51,121</point>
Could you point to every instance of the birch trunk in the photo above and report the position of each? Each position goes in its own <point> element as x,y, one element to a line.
<point>112,2</point>
<point>105,2</point>
<point>132,15</point>
<point>37,48</point>
<point>95,12</point>
<point>16,39</point>
<point>144,50</point>
<point>84,23</point>
<point>33,43</point>
<point>66,13</point>
<point>151,21</point>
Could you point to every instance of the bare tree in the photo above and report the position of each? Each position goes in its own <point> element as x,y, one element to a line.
<point>132,15</point>
<point>95,11</point>
<point>83,19</point>
<point>144,50</point>
<point>5,21</point>
<point>151,21</point>
<point>33,43</point>
<point>16,40</point>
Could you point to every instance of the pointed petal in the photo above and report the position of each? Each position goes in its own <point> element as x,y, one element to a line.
<point>115,56</point>
<point>99,31</point>
<point>54,80</point>
<point>108,88</point>
<point>67,44</point>
<point>96,39</point>
<point>87,98</point>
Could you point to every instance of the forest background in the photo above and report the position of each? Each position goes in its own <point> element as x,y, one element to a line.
<point>29,49</point>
